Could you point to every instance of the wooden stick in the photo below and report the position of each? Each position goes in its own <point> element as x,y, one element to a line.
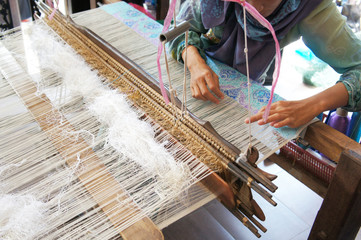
<point>330,141</point>
<point>340,214</point>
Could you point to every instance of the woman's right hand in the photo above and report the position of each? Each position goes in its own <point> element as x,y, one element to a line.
<point>204,81</point>
<point>296,113</point>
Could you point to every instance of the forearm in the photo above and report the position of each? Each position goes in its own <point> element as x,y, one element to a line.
<point>204,83</point>
<point>333,97</point>
<point>352,82</point>
<point>193,57</point>
<point>297,113</point>
<point>190,11</point>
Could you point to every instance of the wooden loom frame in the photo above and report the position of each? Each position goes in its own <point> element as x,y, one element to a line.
<point>335,145</point>
<point>144,228</point>
<point>340,214</point>
<point>326,226</point>
<point>339,217</point>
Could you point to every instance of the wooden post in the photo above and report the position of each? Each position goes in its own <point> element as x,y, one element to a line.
<point>340,214</point>
<point>162,9</point>
<point>93,4</point>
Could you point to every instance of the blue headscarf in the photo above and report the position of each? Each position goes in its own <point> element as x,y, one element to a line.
<point>261,50</point>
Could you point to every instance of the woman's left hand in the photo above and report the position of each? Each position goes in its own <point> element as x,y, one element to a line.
<point>286,113</point>
<point>296,113</point>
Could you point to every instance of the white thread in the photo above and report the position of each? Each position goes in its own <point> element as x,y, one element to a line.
<point>21,217</point>
<point>44,172</point>
<point>248,80</point>
<point>241,157</point>
<point>265,139</point>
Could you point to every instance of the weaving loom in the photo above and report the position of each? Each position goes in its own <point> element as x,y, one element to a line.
<point>96,187</point>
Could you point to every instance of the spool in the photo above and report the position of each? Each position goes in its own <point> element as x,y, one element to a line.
<point>354,129</point>
<point>339,120</point>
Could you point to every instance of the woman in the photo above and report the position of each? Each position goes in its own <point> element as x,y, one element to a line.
<point>218,31</point>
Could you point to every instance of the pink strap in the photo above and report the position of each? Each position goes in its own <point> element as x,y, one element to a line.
<point>166,25</point>
<point>162,88</point>
<point>50,3</point>
<point>267,25</point>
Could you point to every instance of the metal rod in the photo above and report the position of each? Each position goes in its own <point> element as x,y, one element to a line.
<point>175,32</point>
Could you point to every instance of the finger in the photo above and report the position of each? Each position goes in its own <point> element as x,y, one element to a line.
<point>254,118</point>
<point>261,121</point>
<point>275,117</point>
<point>209,96</point>
<point>217,91</point>
<point>206,93</point>
<point>283,123</point>
<point>196,93</point>
<point>273,108</point>
<point>213,84</point>
<point>262,109</point>
<point>271,119</point>
<point>215,87</point>
<point>259,116</point>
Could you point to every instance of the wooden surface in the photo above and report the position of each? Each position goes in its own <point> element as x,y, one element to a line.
<point>330,141</point>
<point>15,13</point>
<point>339,217</point>
<point>110,1</point>
<point>162,9</point>
<point>93,4</point>
<point>221,189</point>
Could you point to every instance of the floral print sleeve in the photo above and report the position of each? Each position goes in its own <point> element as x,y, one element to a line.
<point>326,33</point>
<point>190,11</point>
<point>199,37</point>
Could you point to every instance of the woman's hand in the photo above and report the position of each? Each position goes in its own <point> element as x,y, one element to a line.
<point>286,113</point>
<point>296,113</point>
<point>204,82</point>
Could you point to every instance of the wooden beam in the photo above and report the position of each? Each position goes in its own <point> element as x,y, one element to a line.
<point>93,4</point>
<point>330,141</point>
<point>340,214</point>
<point>162,9</point>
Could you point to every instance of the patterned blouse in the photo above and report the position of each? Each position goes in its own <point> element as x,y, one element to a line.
<point>324,31</point>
